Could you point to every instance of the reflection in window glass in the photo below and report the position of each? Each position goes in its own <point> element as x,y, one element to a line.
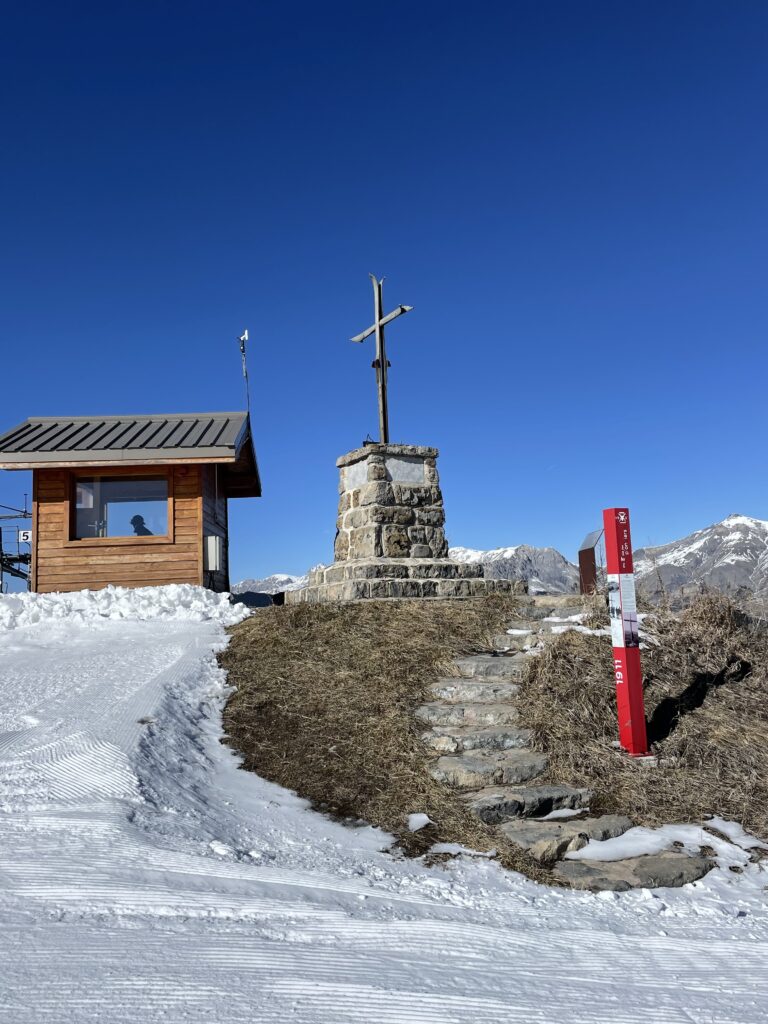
<point>121,507</point>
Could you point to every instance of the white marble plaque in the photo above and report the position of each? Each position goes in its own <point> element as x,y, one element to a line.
<point>405,469</point>
<point>355,475</point>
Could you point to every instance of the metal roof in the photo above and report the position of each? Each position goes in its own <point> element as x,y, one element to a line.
<point>51,441</point>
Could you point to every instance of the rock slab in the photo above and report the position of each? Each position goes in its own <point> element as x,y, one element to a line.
<point>652,871</point>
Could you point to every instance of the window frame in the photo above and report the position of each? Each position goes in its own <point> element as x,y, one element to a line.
<point>116,472</point>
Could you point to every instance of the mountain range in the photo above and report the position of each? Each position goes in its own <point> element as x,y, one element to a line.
<point>547,571</point>
<point>727,556</point>
<point>275,584</point>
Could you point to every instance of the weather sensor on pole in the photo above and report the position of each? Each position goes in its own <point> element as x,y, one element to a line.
<point>243,339</point>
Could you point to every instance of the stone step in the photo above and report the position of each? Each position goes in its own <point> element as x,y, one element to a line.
<point>496,804</point>
<point>468,713</point>
<point>452,738</point>
<point>548,841</point>
<point>514,642</point>
<point>492,666</point>
<point>478,768</point>
<point>652,871</point>
<point>480,690</point>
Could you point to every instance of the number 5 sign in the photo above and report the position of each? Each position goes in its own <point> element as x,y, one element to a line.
<point>624,632</point>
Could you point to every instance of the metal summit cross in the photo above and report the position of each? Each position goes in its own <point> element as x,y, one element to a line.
<point>380,363</point>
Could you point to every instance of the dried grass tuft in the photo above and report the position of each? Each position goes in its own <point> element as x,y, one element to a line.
<point>706,693</point>
<point>595,607</point>
<point>324,704</point>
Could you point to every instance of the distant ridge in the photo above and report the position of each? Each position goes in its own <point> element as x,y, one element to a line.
<point>274,584</point>
<point>547,571</point>
<point>729,555</point>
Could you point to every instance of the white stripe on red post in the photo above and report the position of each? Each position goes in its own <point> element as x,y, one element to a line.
<point>624,631</point>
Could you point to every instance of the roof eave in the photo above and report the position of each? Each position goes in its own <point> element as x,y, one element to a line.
<point>247,482</point>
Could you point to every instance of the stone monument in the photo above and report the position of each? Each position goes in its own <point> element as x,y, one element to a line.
<point>390,537</point>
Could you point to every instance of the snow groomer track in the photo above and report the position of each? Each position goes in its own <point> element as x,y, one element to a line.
<point>144,878</point>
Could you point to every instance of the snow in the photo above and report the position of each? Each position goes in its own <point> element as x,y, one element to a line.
<point>145,878</point>
<point>748,521</point>
<point>416,822</point>
<point>634,843</point>
<point>177,602</point>
<point>460,554</point>
<point>702,550</point>
<point>563,812</point>
<point>736,834</point>
<point>639,841</point>
<point>278,581</point>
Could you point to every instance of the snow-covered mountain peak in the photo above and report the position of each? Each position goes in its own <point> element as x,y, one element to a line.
<point>727,555</point>
<point>735,520</point>
<point>276,583</point>
<point>476,555</point>
<point>546,570</point>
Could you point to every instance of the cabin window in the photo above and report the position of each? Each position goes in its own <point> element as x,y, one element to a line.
<point>125,506</point>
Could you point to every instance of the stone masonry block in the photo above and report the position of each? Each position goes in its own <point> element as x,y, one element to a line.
<point>393,514</point>
<point>356,518</point>
<point>421,551</point>
<point>377,570</point>
<point>414,588</point>
<point>417,535</point>
<point>435,537</point>
<point>434,570</point>
<point>370,451</point>
<point>395,542</point>
<point>341,546</point>
<point>335,573</point>
<point>454,588</point>
<point>365,543</point>
<point>414,495</point>
<point>429,516</point>
<point>380,493</point>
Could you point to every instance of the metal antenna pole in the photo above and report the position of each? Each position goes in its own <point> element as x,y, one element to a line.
<point>243,339</point>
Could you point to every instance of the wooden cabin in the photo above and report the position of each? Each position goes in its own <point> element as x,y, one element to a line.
<point>132,500</point>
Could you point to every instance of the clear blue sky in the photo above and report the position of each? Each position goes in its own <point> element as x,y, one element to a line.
<point>572,195</point>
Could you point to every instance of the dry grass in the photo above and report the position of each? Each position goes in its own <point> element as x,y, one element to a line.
<point>595,610</point>
<point>706,692</point>
<point>324,704</point>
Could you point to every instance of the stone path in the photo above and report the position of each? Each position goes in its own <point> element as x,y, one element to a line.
<point>472,727</point>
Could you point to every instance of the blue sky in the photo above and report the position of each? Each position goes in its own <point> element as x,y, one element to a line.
<point>571,195</point>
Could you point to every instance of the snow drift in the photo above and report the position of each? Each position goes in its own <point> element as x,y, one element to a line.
<point>180,602</point>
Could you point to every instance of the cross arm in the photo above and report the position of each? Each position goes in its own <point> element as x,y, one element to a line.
<point>383,322</point>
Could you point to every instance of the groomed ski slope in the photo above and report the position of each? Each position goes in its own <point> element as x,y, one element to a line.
<point>145,878</point>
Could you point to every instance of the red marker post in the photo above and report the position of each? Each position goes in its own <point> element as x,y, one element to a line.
<point>624,631</point>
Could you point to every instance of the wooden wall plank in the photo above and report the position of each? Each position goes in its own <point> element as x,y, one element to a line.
<point>65,566</point>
